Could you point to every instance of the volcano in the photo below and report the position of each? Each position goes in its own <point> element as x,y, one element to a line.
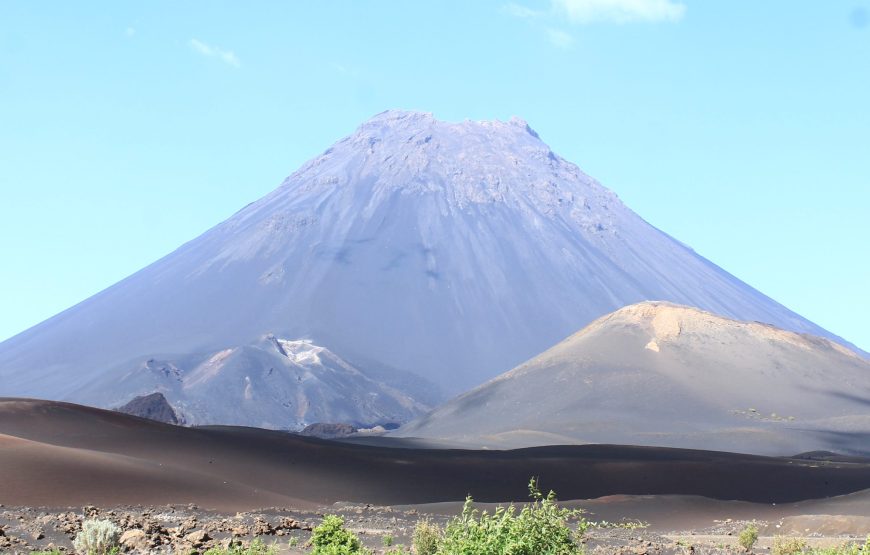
<point>451,251</point>
<point>666,375</point>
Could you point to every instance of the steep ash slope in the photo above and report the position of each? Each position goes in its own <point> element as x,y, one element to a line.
<point>451,250</point>
<point>667,375</point>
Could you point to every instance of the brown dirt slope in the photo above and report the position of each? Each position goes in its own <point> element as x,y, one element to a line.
<point>59,454</point>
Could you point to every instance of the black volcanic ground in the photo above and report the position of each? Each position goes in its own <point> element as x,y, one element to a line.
<point>58,454</point>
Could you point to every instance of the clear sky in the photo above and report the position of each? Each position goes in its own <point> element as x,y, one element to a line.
<point>740,127</point>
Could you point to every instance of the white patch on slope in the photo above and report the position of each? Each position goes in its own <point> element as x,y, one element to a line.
<point>301,351</point>
<point>207,370</point>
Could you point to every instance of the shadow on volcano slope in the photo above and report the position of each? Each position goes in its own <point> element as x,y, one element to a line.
<point>59,454</point>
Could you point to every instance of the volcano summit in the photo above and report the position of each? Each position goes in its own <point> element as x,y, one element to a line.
<point>453,251</point>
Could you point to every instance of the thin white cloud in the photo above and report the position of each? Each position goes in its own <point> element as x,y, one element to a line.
<point>537,19</point>
<point>343,69</point>
<point>520,11</point>
<point>201,47</point>
<point>560,39</point>
<point>230,58</point>
<point>130,31</point>
<point>620,11</point>
<point>227,56</point>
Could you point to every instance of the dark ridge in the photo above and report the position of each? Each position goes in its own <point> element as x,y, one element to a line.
<point>153,407</point>
<point>117,459</point>
<point>325,430</point>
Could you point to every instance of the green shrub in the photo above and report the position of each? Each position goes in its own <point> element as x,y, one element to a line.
<point>748,536</point>
<point>427,538</point>
<point>387,540</point>
<point>788,546</point>
<point>98,537</point>
<point>845,549</point>
<point>540,528</point>
<point>331,538</point>
<point>256,547</point>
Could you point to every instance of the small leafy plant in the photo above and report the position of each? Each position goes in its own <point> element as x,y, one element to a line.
<point>748,536</point>
<point>256,547</point>
<point>427,537</point>
<point>540,528</point>
<point>331,538</point>
<point>845,549</point>
<point>98,537</point>
<point>788,546</point>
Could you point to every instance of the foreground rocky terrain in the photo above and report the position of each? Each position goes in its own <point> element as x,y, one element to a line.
<point>191,529</point>
<point>180,489</point>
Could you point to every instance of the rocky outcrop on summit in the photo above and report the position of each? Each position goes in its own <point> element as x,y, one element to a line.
<point>153,407</point>
<point>450,250</point>
<point>660,374</point>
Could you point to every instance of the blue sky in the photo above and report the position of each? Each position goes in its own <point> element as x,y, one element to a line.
<point>740,127</point>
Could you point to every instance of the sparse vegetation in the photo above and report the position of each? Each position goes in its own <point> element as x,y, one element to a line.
<point>97,537</point>
<point>332,538</point>
<point>427,537</point>
<point>788,546</point>
<point>540,528</point>
<point>748,536</point>
<point>625,524</point>
<point>256,547</point>
<point>845,549</point>
<point>796,546</point>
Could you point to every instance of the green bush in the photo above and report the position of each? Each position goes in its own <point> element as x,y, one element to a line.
<point>540,528</point>
<point>845,549</point>
<point>256,547</point>
<point>427,537</point>
<point>748,537</point>
<point>331,538</point>
<point>98,537</point>
<point>788,546</point>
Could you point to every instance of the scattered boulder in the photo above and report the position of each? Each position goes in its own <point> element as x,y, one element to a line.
<point>240,530</point>
<point>288,523</point>
<point>197,538</point>
<point>262,528</point>
<point>135,540</point>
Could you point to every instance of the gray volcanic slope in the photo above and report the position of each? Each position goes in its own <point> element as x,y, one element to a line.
<point>272,383</point>
<point>450,250</point>
<point>666,375</point>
